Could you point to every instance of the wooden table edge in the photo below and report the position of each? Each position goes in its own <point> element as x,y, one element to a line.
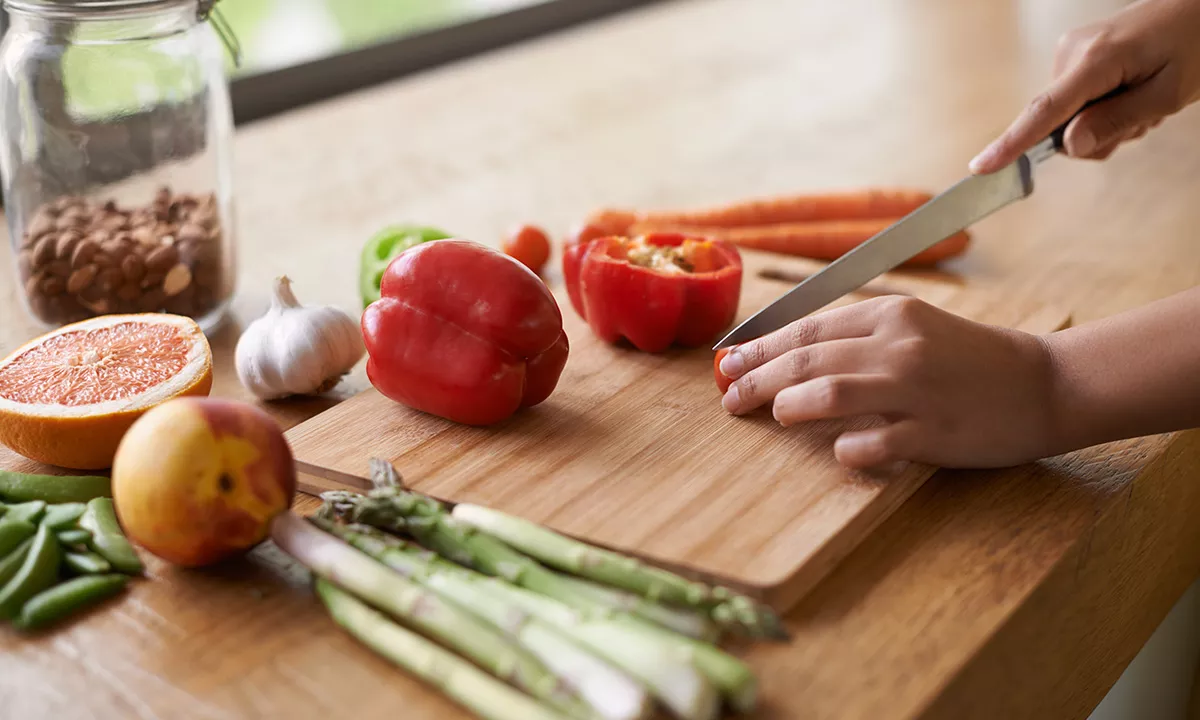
<point>1042,632</point>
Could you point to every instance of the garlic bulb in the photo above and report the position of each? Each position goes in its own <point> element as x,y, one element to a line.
<point>297,350</point>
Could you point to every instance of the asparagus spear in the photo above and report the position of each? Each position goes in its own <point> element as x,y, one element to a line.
<point>675,681</point>
<point>611,693</point>
<point>393,508</point>
<point>357,573</point>
<point>725,608</point>
<point>458,679</point>
<point>610,568</point>
<point>447,537</point>
<point>670,677</point>
<point>444,535</point>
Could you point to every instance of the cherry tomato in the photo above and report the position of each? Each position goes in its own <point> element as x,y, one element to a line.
<point>585,232</point>
<point>529,245</point>
<point>723,382</point>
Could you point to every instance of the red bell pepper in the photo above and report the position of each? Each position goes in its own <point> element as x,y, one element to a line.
<point>654,291</point>
<point>577,244</point>
<point>464,332</point>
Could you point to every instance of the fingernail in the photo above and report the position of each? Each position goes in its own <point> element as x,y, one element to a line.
<point>731,400</point>
<point>848,444</point>
<point>1085,143</point>
<point>982,160</point>
<point>732,364</point>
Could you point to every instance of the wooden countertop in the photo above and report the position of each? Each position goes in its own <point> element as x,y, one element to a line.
<point>1020,593</point>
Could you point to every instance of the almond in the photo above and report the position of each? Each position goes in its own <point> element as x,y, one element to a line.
<point>81,279</point>
<point>83,253</point>
<point>109,278</point>
<point>66,244</point>
<point>116,250</point>
<point>43,252</point>
<point>33,283</point>
<point>71,220</point>
<point>115,222</point>
<point>177,280</point>
<point>41,224</point>
<point>133,267</point>
<point>144,235</point>
<point>52,285</point>
<point>162,259</point>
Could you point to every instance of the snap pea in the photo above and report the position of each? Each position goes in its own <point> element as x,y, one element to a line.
<point>60,516</point>
<point>56,603</point>
<point>74,536</point>
<point>86,563</point>
<point>107,539</point>
<point>11,563</point>
<point>22,487</point>
<point>28,511</point>
<point>37,572</point>
<point>13,533</point>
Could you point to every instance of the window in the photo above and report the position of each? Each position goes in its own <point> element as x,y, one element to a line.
<point>276,34</point>
<point>299,51</point>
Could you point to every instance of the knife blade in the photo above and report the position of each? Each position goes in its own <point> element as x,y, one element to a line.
<point>954,210</point>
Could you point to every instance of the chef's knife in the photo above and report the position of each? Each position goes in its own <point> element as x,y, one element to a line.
<point>958,208</point>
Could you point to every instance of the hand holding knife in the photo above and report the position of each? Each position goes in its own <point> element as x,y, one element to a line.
<point>964,204</point>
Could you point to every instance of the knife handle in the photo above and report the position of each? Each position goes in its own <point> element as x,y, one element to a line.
<point>1058,137</point>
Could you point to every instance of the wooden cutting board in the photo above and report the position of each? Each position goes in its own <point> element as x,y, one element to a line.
<point>634,451</point>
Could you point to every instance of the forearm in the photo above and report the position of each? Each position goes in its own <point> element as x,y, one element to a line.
<point>1134,374</point>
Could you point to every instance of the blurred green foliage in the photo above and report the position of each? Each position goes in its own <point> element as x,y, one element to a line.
<point>271,33</point>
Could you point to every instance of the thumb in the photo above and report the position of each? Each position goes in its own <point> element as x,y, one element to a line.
<point>1108,123</point>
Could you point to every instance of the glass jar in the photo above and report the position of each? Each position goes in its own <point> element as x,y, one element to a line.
<point>115,157</point>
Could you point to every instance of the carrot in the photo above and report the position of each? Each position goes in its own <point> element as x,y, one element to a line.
<point>873,203</point>
<point>612,222</point>
<point>817,240</point>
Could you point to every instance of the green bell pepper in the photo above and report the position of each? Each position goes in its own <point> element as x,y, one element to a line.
<point>381,249</point>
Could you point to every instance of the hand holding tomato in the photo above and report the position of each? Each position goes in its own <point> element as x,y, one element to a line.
<point>951,392</point>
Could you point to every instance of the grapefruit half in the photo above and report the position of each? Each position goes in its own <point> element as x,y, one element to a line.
<point>68,397</point>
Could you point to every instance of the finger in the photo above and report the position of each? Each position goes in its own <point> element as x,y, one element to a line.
<point>839,396</point>
<point>848,321</point>
<point>1052,108</point>
<point>836,357</point>
<point>1111,122</point>
<point>1105,152</point>
<point>896,442</point>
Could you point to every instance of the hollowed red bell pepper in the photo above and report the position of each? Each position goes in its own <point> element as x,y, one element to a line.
<point>464,332</point>
<point>655,291</point>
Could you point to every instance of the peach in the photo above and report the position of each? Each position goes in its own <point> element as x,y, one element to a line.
<point>197,480</point>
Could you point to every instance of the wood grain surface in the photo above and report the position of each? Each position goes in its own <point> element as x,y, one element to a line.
<point>1016,593</point>
<point>633,452</point>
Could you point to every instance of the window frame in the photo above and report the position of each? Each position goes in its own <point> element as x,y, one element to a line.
<point>260,95</point>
